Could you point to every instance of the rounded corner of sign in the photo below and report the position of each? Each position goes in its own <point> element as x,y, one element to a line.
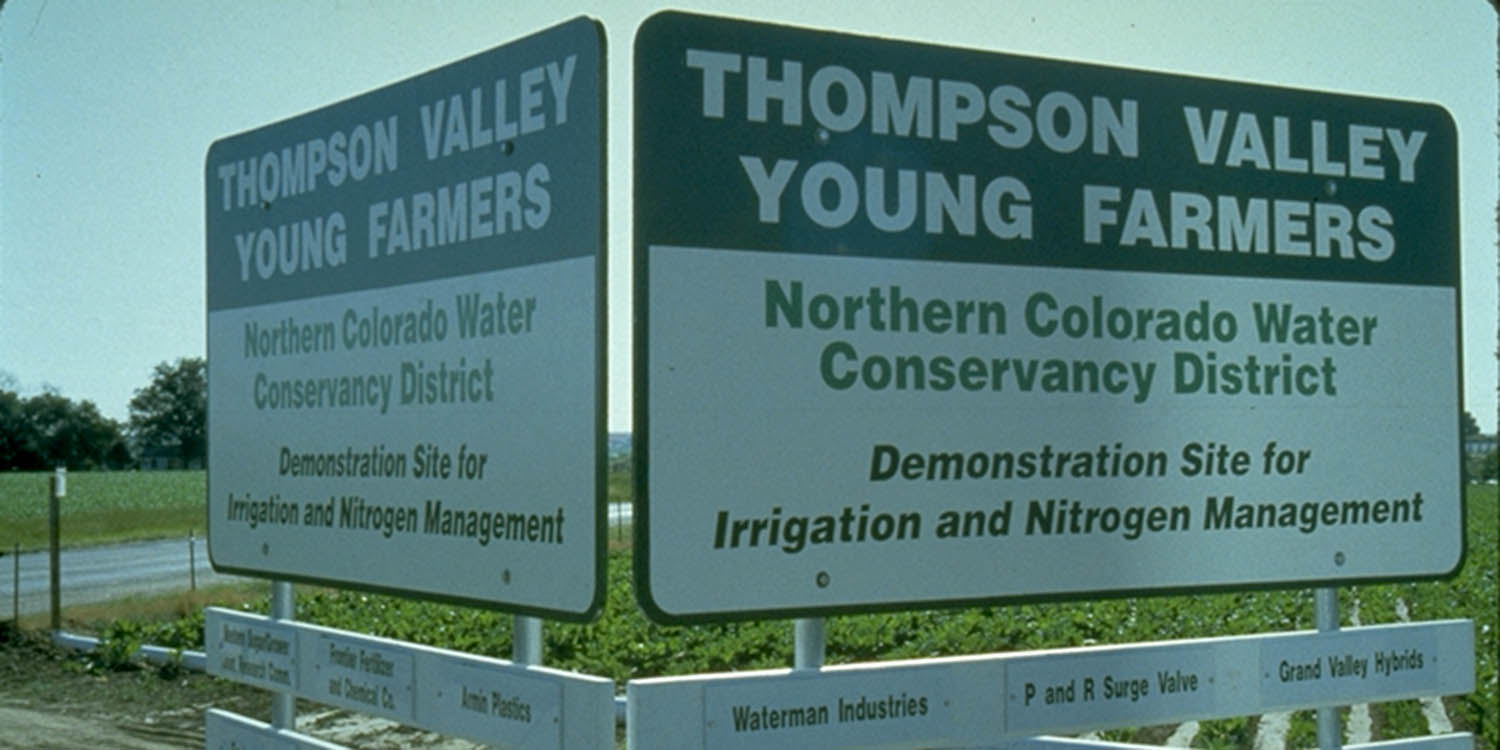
<point>1447,118</point>
<point>1459,559</point>
<point>208,545</point>
<point>596,603</point>
<point>659,18</point>
<point>208,155</point>
<point>588,28</point>
<point>212,563</point>
<point>222,568</point>
<point>649,606</point>
<point>595,27</point>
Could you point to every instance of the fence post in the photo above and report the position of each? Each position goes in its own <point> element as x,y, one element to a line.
<point>192,562</point>
<point>54,541</point>
<point>15,589</point>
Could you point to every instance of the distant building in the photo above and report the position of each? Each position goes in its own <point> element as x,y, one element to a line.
<point>1477,446</point>
<point>160,457</point>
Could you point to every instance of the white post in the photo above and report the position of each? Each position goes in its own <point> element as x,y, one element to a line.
<point>1326,612</point>
<point>809,633</point>
<point>283,607</point>
<point>526,640</point>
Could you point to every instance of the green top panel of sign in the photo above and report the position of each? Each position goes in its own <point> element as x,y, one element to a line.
<point>492,162</point>
<point>783,139</point>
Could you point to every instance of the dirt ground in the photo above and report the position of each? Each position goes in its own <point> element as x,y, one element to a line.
<point>55,698</point>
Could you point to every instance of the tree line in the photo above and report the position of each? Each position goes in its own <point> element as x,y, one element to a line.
<point>167,422</point>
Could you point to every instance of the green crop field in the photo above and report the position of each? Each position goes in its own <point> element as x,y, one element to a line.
<point>623,645</point>
<point>102,506</point>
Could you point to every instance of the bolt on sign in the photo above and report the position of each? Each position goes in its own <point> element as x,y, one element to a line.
<point>921,326</point>
<point>405,331</point>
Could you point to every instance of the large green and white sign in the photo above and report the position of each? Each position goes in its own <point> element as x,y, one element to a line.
<point>923,326</point>
<point>405,335</point>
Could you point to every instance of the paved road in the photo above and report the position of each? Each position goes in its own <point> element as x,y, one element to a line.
<point>96,574</point>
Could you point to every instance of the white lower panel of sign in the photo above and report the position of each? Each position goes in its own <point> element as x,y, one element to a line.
<point>835,433</point>
<point>488,700</point>
<point>977,701</point>
<point>1459,741</point>
<point>374,438</point>
<point>223,730</point>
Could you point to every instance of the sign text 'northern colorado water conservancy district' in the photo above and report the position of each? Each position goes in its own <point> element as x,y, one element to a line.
<point>921,325</point>
<point>405,325</point>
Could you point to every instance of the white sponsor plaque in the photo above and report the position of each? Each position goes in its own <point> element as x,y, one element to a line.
<point>1404,663</point>
<point>1111,685</point>
<point>492,701</point>
<point>254,650</point>
<point>848,707</point>
<point>360,674</point>
<point>525,711</point>
<point>223,730</point>
<point>1453,741</point>
<point>980,701</point>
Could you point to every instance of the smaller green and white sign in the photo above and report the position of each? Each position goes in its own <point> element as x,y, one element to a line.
<point>406,327</point>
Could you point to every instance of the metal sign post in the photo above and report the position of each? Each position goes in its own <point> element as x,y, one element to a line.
<point>1326,613</point>
<point>810,643</point>
<point>283,703</point>
<point>526,640</point>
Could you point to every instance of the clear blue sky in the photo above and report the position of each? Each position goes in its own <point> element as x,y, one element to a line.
<point>109,108</point>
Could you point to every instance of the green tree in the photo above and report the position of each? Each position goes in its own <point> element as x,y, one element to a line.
<point>49,430</point>
<point>170,413</point>
<point>16,446</point>
<point>1469,423</point>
